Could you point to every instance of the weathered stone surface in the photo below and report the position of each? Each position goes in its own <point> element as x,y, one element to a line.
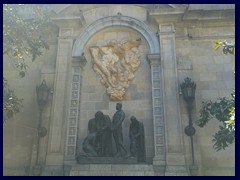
<point>212,71</point>
<point>105,160</point>
<point>117,170</point>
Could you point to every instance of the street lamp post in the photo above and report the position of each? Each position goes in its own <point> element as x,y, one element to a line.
<point>188,88</point>
<point>42,98</point>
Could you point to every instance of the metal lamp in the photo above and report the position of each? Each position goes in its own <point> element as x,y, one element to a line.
<point>42,94</point>
<point>42,98</point>
<point>188,88</point>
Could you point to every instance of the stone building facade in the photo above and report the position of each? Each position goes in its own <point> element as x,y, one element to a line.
<point>176,42</point>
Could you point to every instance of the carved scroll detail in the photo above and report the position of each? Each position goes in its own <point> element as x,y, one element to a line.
<point>116,63</point>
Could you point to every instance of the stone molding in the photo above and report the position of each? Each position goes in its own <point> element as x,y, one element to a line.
<point>173,128</point>
<point>157,102</point>
<point>57,121</point>
<point>112,21</point>
<point>73,114</point>
<point>186,14</point>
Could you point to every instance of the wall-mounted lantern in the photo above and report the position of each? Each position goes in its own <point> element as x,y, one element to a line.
<point>42,97</point>
<point>188,88</point>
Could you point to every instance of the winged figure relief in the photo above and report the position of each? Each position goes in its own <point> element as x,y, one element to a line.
<point>116,62</point>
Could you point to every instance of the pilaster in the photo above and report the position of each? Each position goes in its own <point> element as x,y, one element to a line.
<point>71,145</point>
<point>173,131</point>
<point>157,102</point>
<point>55,152</point>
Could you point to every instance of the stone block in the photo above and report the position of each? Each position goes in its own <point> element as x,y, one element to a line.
<point>91,114</point>
<point>83,114</point>
<point>228,67</point>
<point>98,161</point>
<point>209,94</point>
<point>142,167</point>
<point>208,76</point>
<point>132,88</point>
<point>196,77</point>
<point>184,52</point>
<point>215,67</point>
<point>217,85</point>
<point>84,96</point>
<point>119,167</point>
<point>227,76</point>
<point>52,171</point>
<point>200,48</point>
<point>133,173</point>
<point>202,59</point>
<point>130,105</point>
<point>225,93</point>
<point>223,59</point>
<point>215,171</point>
<point>82,167</point>
<point>116,173</point>
<point>101,173</point>
<point>88,106</point>
<point>83,173</point>
<point>148,114</point>
<point>200,68</point>
<point>176,171</point>
<point>159,174</point>
<point>105,97</point>
<point>95,97</point>
<point>92,80</point>
<point>159,168</point>
<point>88,89</point>
<point>184,64</point>
<point>100,167</point>
<point>101,105</point>
<point>148,173</point>
<point>110,35</point>
<point>144,86</point>
<point>230,85</point>
<point>202,85</point>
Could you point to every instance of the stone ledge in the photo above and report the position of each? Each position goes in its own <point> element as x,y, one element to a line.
<point>112,173</point>
<point>117,170</point>
<point>106,160</point>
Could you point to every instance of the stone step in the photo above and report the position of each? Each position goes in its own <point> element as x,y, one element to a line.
<point>176,171</point>
<point>114,170</point>
<point>112,173</point>
<point>109,167</point>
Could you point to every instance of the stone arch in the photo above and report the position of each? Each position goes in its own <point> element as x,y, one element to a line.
<point>111,21</point>
<point>154,50</point>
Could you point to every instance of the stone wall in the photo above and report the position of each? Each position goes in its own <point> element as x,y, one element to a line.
<point>195,57</point>
<point>213,74</point>
<point>20,132</point>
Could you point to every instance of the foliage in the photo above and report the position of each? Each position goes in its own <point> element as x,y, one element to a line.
<point>223,109</point>
<point>220,110</point>
<point>25,35</point>
<point>11,103</point>
<point>24,32</point>
<point>228,48</point>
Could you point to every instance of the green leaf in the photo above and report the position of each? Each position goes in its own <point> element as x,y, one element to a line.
<point>22,74</point>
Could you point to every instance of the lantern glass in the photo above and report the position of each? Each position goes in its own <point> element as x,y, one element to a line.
<point>188,89</point>
<point>42,94</point>
<point>189,92</point>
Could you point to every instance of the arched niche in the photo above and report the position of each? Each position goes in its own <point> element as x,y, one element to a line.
<point>112,21</point>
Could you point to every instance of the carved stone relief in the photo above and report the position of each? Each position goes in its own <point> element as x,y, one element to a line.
<point>116,62</point>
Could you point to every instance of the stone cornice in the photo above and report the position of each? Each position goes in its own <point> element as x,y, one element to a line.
<point>183,14</point>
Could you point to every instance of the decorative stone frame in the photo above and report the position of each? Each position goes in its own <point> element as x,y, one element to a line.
<point>152,40</point>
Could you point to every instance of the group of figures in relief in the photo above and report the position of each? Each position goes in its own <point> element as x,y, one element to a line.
<point>101,131</point>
